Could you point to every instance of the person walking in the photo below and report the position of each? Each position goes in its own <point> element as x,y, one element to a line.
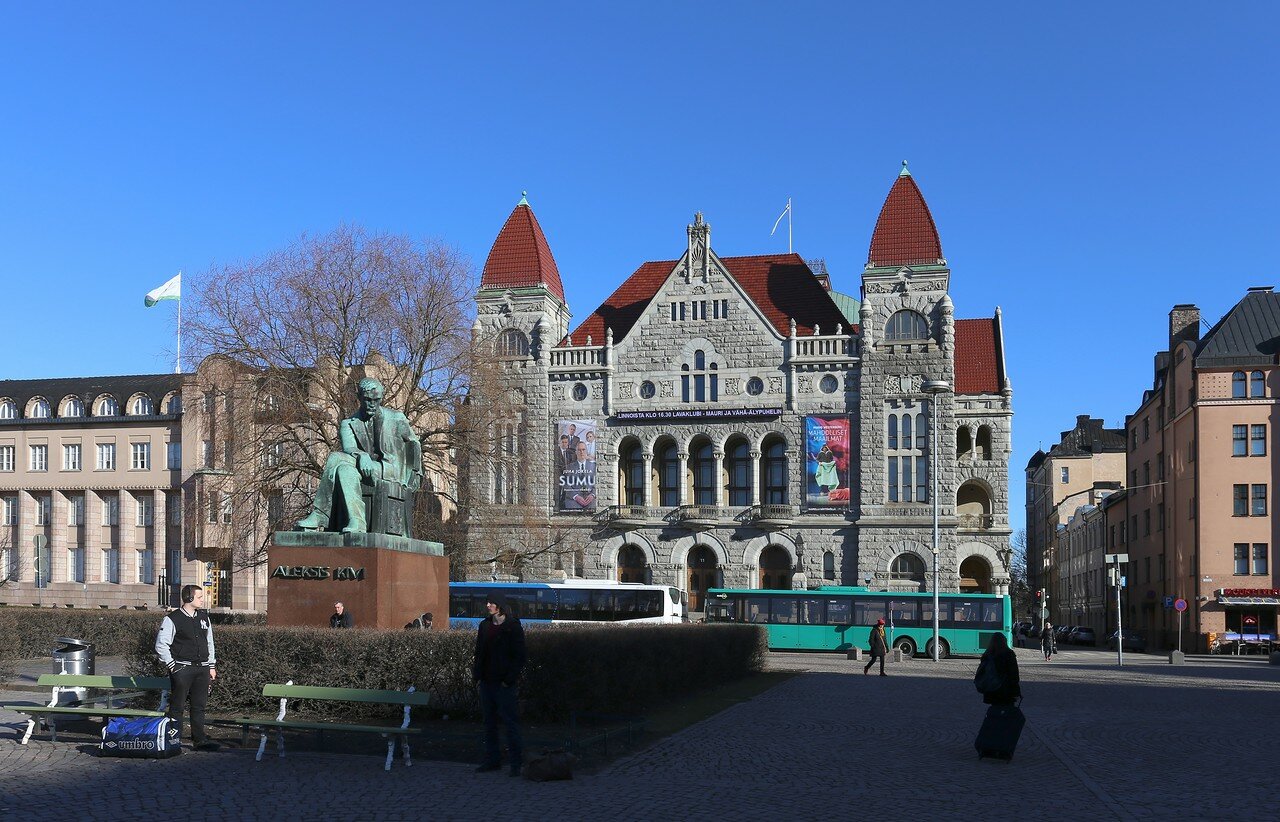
<point>185,647</point>
<point>499,659</point>
<point>1047,643</point>
<point>1004,662</point>
<point>341,617</point>
<point>878,647</point>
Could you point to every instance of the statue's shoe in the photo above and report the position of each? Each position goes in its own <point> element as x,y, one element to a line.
<point>355,527</point>
<point>315,522</point>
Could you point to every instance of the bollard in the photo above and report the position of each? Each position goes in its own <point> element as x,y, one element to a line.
<point>1177,658</point>
<point>897,654</point>
<point>854,653</point>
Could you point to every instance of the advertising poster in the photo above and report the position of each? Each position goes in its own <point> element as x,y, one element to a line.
<point>827,462</point>
<point>575,464</point>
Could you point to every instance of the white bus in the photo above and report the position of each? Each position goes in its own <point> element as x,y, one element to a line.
<point>570,600</point>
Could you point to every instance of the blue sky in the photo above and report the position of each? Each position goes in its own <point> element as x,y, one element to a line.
<point>1088,165</point>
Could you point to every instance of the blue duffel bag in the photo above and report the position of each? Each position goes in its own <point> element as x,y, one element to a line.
<point>148,737</point>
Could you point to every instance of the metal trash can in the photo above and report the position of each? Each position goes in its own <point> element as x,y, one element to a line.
<point>73,656</point>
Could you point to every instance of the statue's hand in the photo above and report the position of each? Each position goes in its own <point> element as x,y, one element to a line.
<point>367,467</point>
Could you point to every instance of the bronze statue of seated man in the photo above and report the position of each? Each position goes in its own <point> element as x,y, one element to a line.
<point>379,447</point>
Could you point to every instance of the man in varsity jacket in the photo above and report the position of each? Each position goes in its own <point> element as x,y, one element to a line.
<point>185,646</point>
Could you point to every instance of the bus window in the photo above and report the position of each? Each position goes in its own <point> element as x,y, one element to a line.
<point>839,612</point>
<point>478,600</point>
<point>624,605</point>
<point>993,615</point>
<point>602,606</point>
<point>903,614</point>
<point>866,612</point>
<point>810,611</point>
<point>783,611</point>
<point>965,614</point>
<point>649,604</point>
<point>521,602</point>
<point>545,606</point>
<point>674,593</point>
<point>574,605</point>
<point>926,613</point>
<point>720,610</point>
<point>755,609</point>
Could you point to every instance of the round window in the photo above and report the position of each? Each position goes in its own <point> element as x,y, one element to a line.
<point>755,386</point>
<point>579,392</point>
<point>647,390</point>
<point>829,384</point>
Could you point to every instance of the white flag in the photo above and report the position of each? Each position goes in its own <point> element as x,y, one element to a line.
<point>171,290</point>
<point>784,213</point>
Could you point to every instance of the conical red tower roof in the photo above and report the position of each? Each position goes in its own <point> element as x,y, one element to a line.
<point>520,257</point>
<point>905,233</point>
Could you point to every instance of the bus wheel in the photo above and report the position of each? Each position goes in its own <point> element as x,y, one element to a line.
<point>943,650</point>
<point>907,647</point>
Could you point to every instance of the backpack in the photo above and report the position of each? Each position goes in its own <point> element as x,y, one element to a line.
<point>987,680</point>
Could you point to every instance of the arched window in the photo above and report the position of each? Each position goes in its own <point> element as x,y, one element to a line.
<point>906,325</point>
<point>40,409</point>
<point>8,410</point>
<point>984,442</point>
<point>1238,385</point>
<point>175,404</point>
<point>73,407</point>
<point>893,432</point>
<point>142,406</point>
<point>964,443</point>
<point>907,456</point>
<point>513,343</point>
<point>828,566</point>
<point>666,466</point>
<point>773,472</point>
<point>631,564</point>
<point>775,569</point>
<point>631,476</point>
<point>700,381</point>
<point>737,469</point>
<point>507,486</point>
<point>108,407</point>
<point>1257,384</point>
<point>702,468</point>
<point>907,567</point>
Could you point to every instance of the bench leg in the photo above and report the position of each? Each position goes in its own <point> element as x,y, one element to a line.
<point>31,726</point>
<point>404,741</point>
<point>391,751</point>
<point>280,741</point>
<point>53,729</point>
<point>262,746</point>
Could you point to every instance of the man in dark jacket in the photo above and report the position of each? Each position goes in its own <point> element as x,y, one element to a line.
<point>185,647</point>
<point>341,617</point>
<point>1000,655</point>
<point>499,659</point>
<point>878,647</point>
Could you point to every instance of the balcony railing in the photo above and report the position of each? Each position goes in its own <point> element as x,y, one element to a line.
<point>768,516</point>
<point>578,357</point>
<point>623,517</point>
<point>975,522</point>
<point>698,516</point>
<point>823,348</point>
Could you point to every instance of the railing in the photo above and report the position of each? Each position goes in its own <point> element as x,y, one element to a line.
<point>686,514</point>
<point>767,513</point>
<point>974,522</point>
<point>578,357</point>
<point>822,348</point>
<point>620,514</point>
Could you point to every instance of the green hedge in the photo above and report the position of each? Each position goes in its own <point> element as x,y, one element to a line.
<point>29,633</point>
<point>607,669</point>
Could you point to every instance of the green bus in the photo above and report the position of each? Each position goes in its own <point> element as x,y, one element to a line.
<point>838,618</point>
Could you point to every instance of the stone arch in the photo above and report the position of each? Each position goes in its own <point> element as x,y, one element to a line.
<point>138,404</point>
<point>680,549</point>
<point>914,549</point>
<point>613,545</point>
<point>67,405</point>
<point>97,409</point>
<point>999,573</point>
<point>756,545</point>
<point>38,407</point>
<point>976,575</point>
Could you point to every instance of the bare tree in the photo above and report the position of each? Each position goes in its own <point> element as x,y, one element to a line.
<point>1019,588</point>
<point>291,335</point>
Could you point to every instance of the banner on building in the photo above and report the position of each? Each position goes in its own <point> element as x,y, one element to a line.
<point>828,462</point>
<point>575,464</point>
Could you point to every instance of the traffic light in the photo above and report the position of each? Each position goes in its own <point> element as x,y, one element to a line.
<point>1039,592</point>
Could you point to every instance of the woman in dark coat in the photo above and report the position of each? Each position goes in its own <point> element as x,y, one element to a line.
<point>1000,655</point>
<point>1047,641</point>
<point>498,662</point>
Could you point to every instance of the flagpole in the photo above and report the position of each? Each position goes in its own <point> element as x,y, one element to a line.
<point>788,225</point>
<point>177,366</point>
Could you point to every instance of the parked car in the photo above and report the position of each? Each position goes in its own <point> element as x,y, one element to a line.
<point>1060,634</point>
<point>1082,635</point>
<point>1132,642</point>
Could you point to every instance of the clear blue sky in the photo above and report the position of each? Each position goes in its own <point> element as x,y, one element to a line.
<point>1088,165</point>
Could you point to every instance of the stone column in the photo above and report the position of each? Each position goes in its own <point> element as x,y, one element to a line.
<point>755,477</point>
<point>683,459</point>
<point>647,496</point>
<point>92,537</point>
<point>60,564</point>
<point>159,535</point>
<point>127,538</point>
<point>26,548</point>
<point>718,473</point>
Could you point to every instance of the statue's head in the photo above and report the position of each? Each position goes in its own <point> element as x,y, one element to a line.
<point>370,392</point>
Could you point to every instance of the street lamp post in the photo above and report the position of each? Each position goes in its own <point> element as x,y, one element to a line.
<point>935,388</point>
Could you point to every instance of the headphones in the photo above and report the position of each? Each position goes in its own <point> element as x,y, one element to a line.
<point>189,593</point>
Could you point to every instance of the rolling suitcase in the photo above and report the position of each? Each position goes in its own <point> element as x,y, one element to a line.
<point>999,734</point>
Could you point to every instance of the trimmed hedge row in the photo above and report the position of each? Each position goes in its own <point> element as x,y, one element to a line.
<point>606,669</point>
<point>29,633</point>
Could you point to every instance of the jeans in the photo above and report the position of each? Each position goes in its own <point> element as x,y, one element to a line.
<point>189,681</point>
<point>874,657</point>
<point>498,701</point>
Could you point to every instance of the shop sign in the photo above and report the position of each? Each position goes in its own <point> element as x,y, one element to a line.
<point>698,414</point>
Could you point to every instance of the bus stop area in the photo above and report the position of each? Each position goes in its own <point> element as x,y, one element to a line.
<point>1150,740</point>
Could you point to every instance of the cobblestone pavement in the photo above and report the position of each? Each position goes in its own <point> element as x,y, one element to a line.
<point>1149,741</point>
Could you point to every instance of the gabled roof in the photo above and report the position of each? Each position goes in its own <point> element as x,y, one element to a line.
<point>781,285</point>
<point>905,233</point>
<point>976,365</point>
<point>521,257</point>
<point>1248,335</point>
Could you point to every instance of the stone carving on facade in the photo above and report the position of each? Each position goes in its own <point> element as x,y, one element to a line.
<point>806,385</point>
<point>557,392</point>
<point>775,385</point>
<point>597,391</point>
<point>732,385</point>
<point>666,389</point>
<point>626,390</point>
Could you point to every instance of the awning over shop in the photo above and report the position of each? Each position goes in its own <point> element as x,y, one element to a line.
<point>1240,602</point>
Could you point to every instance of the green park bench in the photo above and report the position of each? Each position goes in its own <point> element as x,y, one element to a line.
<point>287,691</point>
<point>117,690</point>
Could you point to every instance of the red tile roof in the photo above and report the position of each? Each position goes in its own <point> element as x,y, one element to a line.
<point>905,233</point>
<point>781,285</point>
<point>520,257</point>
<point>977,370</point>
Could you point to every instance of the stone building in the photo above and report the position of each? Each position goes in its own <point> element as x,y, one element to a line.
<point>677,432</point>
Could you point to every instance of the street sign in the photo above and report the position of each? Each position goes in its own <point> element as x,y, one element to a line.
<point>1180,605</point>
<point>1168,602</point>
<point>1044,613</point>
<point>1124,581</point>
<point>1111,559</point>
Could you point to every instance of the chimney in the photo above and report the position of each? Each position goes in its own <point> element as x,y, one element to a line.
<point>1184,325</point>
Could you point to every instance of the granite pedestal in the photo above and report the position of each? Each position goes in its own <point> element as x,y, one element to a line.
<point>383,581</point>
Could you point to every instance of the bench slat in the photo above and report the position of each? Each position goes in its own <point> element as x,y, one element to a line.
<point>344,694</point>
<point>133,683</point>
<point>47,709</point>
<point>324,726</point>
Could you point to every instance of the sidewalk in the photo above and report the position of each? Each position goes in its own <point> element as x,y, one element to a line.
<point>1101,743</point>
